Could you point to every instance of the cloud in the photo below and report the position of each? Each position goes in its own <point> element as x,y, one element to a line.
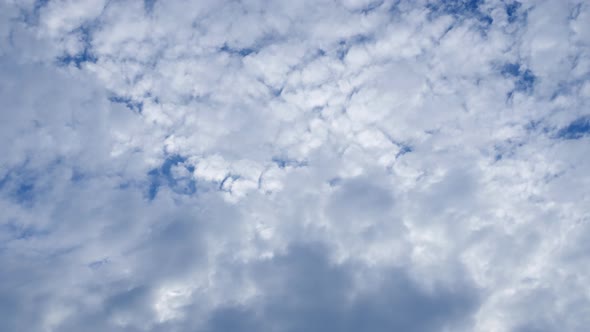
<point>313,165</point>
<point>304,291</point>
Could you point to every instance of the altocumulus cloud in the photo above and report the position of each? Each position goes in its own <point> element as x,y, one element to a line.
<point>287,166</point>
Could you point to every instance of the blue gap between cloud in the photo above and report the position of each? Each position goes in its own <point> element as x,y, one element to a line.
<point>576,129</point>
<point>283,162</point>
<point>82,57</point>
<point>136,106</point>
<point>237,51</point>
<point>512,11</point>
<point>163,176</point>
<point>525,79</point>
<point>460,9</point>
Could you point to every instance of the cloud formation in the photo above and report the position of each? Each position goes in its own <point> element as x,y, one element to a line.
<point>333,165</point>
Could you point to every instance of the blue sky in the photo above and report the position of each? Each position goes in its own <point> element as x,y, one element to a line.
<point>286,166</point>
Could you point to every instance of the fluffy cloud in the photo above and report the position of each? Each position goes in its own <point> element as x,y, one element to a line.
<point>306,166</point>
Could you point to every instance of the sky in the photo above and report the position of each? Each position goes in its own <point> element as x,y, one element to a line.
<point>290,166</point>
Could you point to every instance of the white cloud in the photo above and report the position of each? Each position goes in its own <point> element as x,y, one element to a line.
<point>305,166</point>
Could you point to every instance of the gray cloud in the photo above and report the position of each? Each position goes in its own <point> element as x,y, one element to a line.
<point>304,291</point>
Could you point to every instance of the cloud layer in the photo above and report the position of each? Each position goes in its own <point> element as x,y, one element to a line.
<point>333,165</point>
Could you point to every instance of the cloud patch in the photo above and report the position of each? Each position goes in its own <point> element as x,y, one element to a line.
<point>313,165</point>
